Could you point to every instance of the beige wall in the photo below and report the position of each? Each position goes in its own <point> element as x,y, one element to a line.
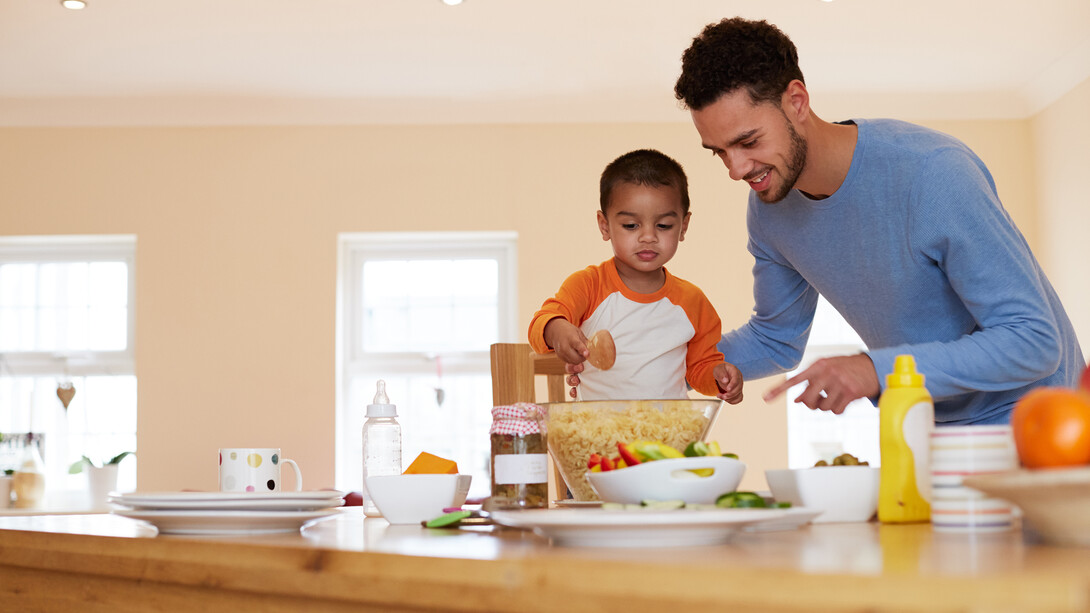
<point>1061,135</point>
<point>236,252</point>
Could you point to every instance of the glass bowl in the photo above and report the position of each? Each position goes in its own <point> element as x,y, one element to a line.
<point>578,429</point>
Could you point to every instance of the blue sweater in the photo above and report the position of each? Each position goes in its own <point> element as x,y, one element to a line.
<point>917,253</point>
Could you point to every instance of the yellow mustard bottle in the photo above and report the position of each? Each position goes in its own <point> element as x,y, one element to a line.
<point>906,417</point>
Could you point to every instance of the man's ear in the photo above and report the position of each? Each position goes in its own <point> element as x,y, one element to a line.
<point>684,226</point>
<point>603,225</point>
<point>795,101</point>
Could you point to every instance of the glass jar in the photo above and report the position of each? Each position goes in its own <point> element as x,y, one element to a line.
<point>28,482</point>
<point>520,464</point>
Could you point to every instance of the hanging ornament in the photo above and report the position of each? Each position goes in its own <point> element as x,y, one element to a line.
<point>65,391</point>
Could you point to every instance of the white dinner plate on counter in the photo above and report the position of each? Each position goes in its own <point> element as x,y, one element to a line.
<point>236,501</point>
<point>637,528</point>
<point>226,522</point>
<point>795,518</point>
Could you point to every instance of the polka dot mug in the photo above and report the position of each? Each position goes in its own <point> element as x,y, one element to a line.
<point>254,469</point>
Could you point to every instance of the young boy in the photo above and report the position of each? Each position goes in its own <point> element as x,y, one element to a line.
<point>664,328</point>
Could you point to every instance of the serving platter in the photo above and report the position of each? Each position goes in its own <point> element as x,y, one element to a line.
<point>794,518</point>
<point>1055,503</point>
<point>637,528</point>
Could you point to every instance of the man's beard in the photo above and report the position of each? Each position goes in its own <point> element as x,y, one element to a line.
<point>796,161</point>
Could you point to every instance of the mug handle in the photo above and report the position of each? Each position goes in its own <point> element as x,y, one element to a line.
<point>298,475</point>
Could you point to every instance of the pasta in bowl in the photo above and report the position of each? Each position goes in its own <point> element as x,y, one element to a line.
<point>578,429</point>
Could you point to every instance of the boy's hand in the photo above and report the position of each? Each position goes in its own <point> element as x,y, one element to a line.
<point>729,379</point>
<point>566,340</point>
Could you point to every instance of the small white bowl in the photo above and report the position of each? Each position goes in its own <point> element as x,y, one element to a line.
<point>411,499</point>
<point>841,493</point>
<point>669,480</point>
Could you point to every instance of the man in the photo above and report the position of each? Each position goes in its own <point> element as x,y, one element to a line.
<point>898,226</point>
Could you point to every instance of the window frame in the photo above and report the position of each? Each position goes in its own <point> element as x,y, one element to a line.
<point>75,248</point>
<point>354,249</point>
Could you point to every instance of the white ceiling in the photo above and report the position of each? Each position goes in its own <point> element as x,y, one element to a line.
<point>189,62</point>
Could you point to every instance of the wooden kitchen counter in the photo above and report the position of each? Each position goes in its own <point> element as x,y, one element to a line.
<point>110,563</point>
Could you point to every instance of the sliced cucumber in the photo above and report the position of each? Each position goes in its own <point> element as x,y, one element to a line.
<point>663,505</point>
<point>740,500</point>
<point>696,449</point>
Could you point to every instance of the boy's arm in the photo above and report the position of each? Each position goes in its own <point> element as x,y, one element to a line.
<point>703,360</point>
<point>570,303</point>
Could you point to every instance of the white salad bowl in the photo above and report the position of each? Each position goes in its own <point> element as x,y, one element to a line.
<point>669,479</point>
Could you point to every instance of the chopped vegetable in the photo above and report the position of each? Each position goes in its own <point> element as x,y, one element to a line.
<point>627,454</point>
<point>739,500</point>
<point>696,449</point>
<point>594,461</point>
<point>663,505</point>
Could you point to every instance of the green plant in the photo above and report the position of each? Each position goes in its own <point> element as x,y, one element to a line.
<point>77,466</point>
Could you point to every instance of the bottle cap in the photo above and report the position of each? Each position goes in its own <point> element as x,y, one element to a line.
<point>381,406</point>
<point>904,373</point>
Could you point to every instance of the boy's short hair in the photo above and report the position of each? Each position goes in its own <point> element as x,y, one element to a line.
<point>736,53</point>
<point>644,167</point>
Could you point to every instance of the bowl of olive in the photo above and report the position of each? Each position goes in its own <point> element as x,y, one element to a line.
<point>843,492</point>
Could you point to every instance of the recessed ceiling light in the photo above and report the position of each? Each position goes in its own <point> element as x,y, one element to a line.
<point>74,4</point>
<point>452,2</point>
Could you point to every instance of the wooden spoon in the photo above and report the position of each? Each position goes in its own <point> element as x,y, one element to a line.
<point>602,351</point>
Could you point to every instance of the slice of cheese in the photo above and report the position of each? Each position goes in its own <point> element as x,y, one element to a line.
<point>428,464</point>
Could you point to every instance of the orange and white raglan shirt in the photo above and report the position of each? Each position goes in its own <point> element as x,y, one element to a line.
<point>663,339</point>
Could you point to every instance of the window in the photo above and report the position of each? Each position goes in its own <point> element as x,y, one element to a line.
<point>420,311</point>
<point>815,435</point>
<point>67,317</point>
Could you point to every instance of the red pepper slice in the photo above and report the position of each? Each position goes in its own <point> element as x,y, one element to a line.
<point>607,464</point>
<point>595,460</point>
<point>627,454</point>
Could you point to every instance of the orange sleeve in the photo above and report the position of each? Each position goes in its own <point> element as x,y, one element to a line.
<point>702,356</point>
<point>574,301</point>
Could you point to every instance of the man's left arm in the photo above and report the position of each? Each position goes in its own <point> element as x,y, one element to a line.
<point>959,224</point>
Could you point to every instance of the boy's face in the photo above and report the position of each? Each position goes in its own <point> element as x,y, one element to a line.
<point>645,224</point>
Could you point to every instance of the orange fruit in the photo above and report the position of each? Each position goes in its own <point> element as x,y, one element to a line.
<point>1051,427</point>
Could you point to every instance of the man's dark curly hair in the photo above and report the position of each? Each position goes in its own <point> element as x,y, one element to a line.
<point>644,167</point>
<point>737,53</point>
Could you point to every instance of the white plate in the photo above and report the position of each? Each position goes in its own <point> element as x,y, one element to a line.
<point>226,522</point>
<point>636,528</point>
<point>795,518</point>
<point>230,501</point>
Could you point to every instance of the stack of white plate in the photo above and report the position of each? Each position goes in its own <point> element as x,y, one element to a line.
<point>227,512</point>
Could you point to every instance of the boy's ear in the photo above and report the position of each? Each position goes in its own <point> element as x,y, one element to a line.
<point>684,226</point>
<point>603,225</point>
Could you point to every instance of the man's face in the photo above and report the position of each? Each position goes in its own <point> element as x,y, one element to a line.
<point>757,143</point>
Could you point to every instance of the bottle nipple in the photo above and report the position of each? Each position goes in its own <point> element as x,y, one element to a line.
<point>904,373</point>
<point>380,393</point>
<point>380,406</point>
